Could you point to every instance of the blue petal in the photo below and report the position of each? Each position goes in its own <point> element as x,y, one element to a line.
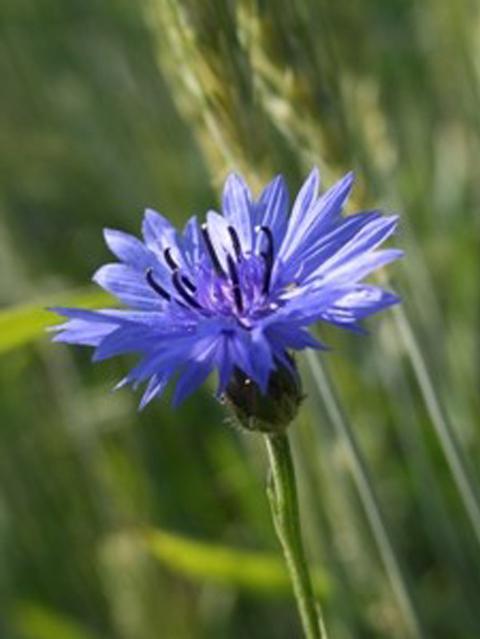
<point>302,205</point>
<point>159,236</point>
<point>110,315</point>
<point>237,209</point>
<point>317,219</point>
<point>131,338</point>
<point>366,240</point>
<point>241,354</point>
<point>343,319</point>
<point>129,285</point>
<point>129,249</point>
<point>347,247</point>
<point>190,379</point>
<point>262,359</point>
<point>290,336</point>
<point>199,366</point>
<point>155,388</point>
<point>329,243</point>
<point>192,243</point>
<point>309,303</point>
<point>220,237</point>
<point>155,362</point>
<point>157,231</point>
<point>272,209</point>
<point>252,354</point>
<point>83,332</point>
<point>366,299</point>
<point>174,352</point>
<point>356,269</point>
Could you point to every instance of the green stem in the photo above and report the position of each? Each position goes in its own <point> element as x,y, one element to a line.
<point>282,494</point>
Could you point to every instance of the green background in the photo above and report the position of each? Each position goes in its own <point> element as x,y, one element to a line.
<point>120,525</point>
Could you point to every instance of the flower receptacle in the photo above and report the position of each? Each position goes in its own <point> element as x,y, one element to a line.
<point>269,412</point>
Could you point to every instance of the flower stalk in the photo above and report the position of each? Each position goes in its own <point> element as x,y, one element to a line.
<point>282,495</point>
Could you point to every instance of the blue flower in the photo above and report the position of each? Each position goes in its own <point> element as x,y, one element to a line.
<point>238,292</point>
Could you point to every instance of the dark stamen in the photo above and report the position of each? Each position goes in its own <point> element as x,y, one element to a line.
<point>186,282</point>
<point>156,287</point>
<point>269,235</point>
<point>268,272</point>
<point>237,293</point>
<point>235,241</point>
<point>268,258</point>
<point>167,254</point>
<point>185,294</point>
<point>211,251</point>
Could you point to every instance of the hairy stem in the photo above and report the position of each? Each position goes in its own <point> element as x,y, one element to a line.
<point>282,494</point>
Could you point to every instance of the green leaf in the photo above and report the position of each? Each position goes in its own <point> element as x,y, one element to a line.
<point>260,572</point>
<point>35,621</point>
<point>22,324</point>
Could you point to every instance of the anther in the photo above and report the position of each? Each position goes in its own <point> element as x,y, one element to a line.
<point>268,258</point>
<point>185,294</point>
<point>237,293</point>
<point>167,254</point>
<point>186,282</point>
<point>211,251</point>
<point>235,241</point>
<point>269,235</point>
<point>156,287</point>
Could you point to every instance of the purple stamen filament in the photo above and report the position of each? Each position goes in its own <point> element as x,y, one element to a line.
<point>237,293</point>
<point>186,289</point>
<point>174,267</point>
<point>211,251</point>
<point>167,253</point>
<point>185,294</point>
<point>160,290</point>
<point>235,241</point>
<point>156,287</point>
<point>186,282</point>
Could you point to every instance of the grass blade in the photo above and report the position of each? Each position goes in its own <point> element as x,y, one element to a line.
<point>368,497</point>
<point>259,572</point>
<point>22,324</point>
<point>443,429</point>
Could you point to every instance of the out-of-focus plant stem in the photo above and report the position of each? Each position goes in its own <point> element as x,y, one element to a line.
<point>368,497</point>
<point>444,431</point>
<point>282,494</point>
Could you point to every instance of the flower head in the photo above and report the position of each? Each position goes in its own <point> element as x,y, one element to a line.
<point>235,293</point>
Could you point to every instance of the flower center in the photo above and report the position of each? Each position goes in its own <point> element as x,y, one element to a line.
<point>239,286</point>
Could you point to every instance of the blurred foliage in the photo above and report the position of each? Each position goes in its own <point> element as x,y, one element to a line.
<point>206,562</point>
<point>24,323</point>
<point>109,107</point>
